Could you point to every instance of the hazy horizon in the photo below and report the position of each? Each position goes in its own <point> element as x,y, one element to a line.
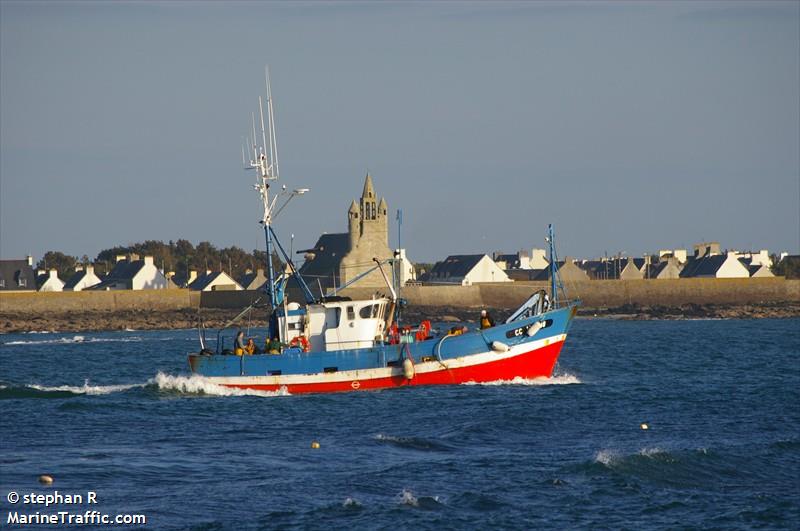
<point>632,127</point>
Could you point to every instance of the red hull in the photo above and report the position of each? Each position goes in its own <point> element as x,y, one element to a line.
<point>534,364</point>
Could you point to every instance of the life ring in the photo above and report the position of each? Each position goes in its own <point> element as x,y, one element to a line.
<point>302,341</point>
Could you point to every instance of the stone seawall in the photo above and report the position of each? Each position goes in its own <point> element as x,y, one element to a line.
<point>593,294</point>
<point>35,303</point>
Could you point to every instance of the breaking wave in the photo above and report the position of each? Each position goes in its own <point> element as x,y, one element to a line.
<point>76,339</point>
<point>61,391</point>
<point>192,385</point>
<point>202,386</point>
<point>406,497</point>
<point>564,379</point>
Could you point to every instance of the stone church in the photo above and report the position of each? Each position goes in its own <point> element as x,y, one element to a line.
<point>338,258</point>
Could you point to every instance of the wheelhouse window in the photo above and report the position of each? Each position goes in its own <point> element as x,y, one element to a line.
<point>351,313</point>
<point>368,312</point>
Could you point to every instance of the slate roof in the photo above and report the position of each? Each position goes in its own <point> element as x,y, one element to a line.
<point>511,260</point>
<point>74,279</point>
<point>455,265</point>
<point>248,278</point>
<point>328,253</point>
<point>203,281</point>
<point>123,273</point>
<point>14,271</point>
<point>703,267</point>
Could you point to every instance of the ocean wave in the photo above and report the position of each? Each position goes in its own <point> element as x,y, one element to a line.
<point>406,497</point>
<point>564,379</point>
<point>198,385</point>
<point>414,443</point>
<point>76,339</point>
<point>61,391</point>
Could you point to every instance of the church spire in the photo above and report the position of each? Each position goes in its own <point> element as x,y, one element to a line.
<point>369,191</point>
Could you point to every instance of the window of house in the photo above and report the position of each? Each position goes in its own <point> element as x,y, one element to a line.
<point>2,282</point>
<point>23,282</point>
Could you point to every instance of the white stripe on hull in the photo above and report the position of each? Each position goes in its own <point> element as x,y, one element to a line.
<point>387,372</point>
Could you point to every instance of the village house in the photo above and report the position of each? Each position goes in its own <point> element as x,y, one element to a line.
<point>131,272</point>
<point>17,275</point>
<point>524,259</point>
<point>466,269</point>
<point>213,281</point>
<point>668,266</point>
<point>715,266</point>
<point>48,281</point>
<point>568,270</point>
<point>83,278</point>
<point>251,280</point>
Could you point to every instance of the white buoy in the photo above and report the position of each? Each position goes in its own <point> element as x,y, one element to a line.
<point>535,327</point>
<point>499,346</point>
<point>644,426</point>
<point>408,369</point>
<point>45,479</point>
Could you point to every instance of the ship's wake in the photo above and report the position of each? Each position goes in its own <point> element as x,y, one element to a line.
<point>563,379</point>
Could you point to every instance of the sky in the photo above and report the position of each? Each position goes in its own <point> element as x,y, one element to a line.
<point>630,126</point>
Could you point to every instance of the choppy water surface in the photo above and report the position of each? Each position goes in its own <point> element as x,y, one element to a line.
<point>116,413</point>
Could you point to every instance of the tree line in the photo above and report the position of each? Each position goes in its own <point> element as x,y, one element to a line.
<point>179,256</point>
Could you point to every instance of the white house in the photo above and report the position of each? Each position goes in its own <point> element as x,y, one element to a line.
<point>716,266</point>
<point>83,278</point>
<point>48,281</point>
<point>467,269</point>
<point>214,281</point>
<point>405,269</point>
<point>133,273</point>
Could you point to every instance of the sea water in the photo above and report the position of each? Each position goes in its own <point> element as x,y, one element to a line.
<point>117,414</point>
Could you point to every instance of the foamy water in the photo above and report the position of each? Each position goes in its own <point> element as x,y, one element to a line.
<point>565,379</point>
<point>199,385</point>
<point>86,388</point>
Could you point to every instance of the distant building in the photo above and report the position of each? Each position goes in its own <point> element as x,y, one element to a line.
<point>567,270</point>
<point>133,273</point>
<point>48,281</point>
<point>669,266</point>
<point>524,259</point>
<point>17,275</point>
<point>679,254</point>
<point>706,249</point>
<point>214,281</point>
<point>615,268</point>
<point>338,258</point>
<point>466,269</point>
<point>252,281</point>
<point>83,278</point>
<point>715,266</point>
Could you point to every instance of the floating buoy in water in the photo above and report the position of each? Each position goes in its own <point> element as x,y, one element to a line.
<point>499,346</point>
<point>315,445</point>
<point>535,327</point>
<point>45,479</point>
<point>644,426</point>
<point>408,369</point>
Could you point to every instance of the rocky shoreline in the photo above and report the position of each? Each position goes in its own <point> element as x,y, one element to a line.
<point>88,321</point>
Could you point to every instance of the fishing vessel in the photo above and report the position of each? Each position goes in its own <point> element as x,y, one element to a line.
<point>330,343</point>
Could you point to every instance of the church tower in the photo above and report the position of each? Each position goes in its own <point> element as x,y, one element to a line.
<point>368,234</point>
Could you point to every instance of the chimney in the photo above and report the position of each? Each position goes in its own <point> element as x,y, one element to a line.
<point>89,270</point>
<point>53,273</point>
<point>78,268</point>
<point>133,257</point>
<point>30,260</point>
<point>119,258</point>
<point>148,260</point>
<point>208,271</point>
<point>40,272</point>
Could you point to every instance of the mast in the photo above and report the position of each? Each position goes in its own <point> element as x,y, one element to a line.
<point>265,164</point>
<point>555,279</point>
